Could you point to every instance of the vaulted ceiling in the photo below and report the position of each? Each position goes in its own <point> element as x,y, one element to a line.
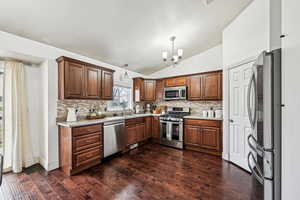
<point>120,31</point>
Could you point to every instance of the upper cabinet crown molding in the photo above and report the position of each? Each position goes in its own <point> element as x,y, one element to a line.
<point>81,80</point>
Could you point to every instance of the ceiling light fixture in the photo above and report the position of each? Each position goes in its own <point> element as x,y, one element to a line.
<point>175,56</point>
<point>126,76</point>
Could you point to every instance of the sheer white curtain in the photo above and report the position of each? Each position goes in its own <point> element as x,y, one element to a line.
<point>17,143</point>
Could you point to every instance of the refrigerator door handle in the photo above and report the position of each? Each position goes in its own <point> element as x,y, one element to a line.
<point>251,114</point>
<point>256,147</point>
<point>257,171</point>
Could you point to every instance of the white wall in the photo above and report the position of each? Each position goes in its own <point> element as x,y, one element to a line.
<point>248,34</point>
<point>243,40</point>
<point>291,99</point>
<point>47,147</point>
<point>209,60</point>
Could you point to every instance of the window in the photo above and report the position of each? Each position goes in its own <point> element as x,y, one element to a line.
<point>122,99</point>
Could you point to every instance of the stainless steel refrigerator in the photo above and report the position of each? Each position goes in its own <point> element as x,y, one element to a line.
<point>264,110</point>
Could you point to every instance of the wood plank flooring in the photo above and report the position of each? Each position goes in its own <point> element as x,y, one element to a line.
<point>149,172</point>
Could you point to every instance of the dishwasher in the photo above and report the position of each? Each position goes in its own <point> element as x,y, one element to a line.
<point>114,137</point>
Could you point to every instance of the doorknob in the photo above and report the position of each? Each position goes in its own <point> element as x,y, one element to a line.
<point>231,121</point>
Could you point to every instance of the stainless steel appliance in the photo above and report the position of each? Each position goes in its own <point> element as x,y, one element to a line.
<point>114,137</point>
<point>264,110</point>
<point>171,126</point>
<point>175,93</point>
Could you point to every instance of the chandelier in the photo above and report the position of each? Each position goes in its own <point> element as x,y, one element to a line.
<point>175,55</point>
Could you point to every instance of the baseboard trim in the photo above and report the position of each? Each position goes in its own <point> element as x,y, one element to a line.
<point>53,165</point>
<point>225,156</point>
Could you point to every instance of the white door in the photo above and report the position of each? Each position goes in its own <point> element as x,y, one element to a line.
<point>239,125</point>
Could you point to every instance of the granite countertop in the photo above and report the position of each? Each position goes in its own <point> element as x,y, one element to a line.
<point>198,116</point>
<point>106,119</point>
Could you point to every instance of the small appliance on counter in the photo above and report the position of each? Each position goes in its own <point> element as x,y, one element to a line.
<point>148,108</point>
<point>218,114</point>
<point>72,115</point>
<point>138,109</point>
<point>210,113</point>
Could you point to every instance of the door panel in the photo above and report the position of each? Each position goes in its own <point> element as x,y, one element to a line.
<point>194,87</point>
<point>93,83</point>
<point>212,86</point>
<point>149,86</point>
<point>74,80</point>
<point>240,126</point>
<point>210,138</point>
<point>107,85</point>
<point>192,135</point>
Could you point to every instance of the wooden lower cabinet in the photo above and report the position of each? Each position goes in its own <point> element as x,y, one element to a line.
<point>156,128</point>
<point>136,130</point>
<point>80,148</point>
<point>203,135</point>
<point>148,128</point>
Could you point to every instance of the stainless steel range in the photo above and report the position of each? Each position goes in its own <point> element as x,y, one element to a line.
<point>171,126</point>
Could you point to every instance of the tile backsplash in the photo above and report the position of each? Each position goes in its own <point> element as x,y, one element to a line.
<point>84,106</point>
<point>196,106</point>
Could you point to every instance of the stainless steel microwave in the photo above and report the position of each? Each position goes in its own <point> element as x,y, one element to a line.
<point>175,93</point>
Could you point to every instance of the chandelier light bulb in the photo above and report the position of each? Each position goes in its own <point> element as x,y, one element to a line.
<point>165,55</point>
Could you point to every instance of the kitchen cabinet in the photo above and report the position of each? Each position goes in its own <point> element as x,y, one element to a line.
<point>148,122</point>
<point>107,85</point>
<point>203,135</point>
<point>93,83</point>
<point>211,87</point>
<point>138,89</point>
<point>81,80</point>
<point>80,148</point>
<point>174,82</point>
<point>149,90</point>
<point>156,128</point>
<point>136,130</point>
<point>194,87</point>
<point>160,90</point>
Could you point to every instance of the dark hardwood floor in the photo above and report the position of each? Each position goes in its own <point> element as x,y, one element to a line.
<point>149,172</point>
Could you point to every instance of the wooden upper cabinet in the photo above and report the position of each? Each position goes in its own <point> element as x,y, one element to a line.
<point>174,82</point>
<point>159,90</point>
<point>194,87</point>
<point>74,80</point>
<point>93,83</point>
<point>138,89</point>
<point>149,90</point>
<point>211,88</point>
<point>81,80</point>
<point>107,85</point>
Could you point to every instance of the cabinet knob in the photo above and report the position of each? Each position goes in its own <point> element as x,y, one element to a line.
<point>231,121</point>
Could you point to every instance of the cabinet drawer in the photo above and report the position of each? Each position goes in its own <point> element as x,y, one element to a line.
<point>83,130</point>
<point>197,122</point>
<point>87,156</point>
<point>129,122</point>
<point>140,120</point>
<point>87,141</point>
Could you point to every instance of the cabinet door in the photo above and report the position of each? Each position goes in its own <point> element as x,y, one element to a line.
<point>159,90</point>
<point>194,87</point>
<point>212,86</point>
<point>140,132</point>
<point>131,134</point>
<point>210,137</point>
<point>74,80</point>
<point>138,89</point>
<point>107,85</point>
<point>156,128</point>
<point>174,82</point>
<point>149,90</point>
<point>92,83</point>
<point>192,135</point>
<point>148,127</point>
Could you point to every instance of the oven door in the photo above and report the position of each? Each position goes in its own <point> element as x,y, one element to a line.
<point>176,131</point>
<point>164,129</point>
